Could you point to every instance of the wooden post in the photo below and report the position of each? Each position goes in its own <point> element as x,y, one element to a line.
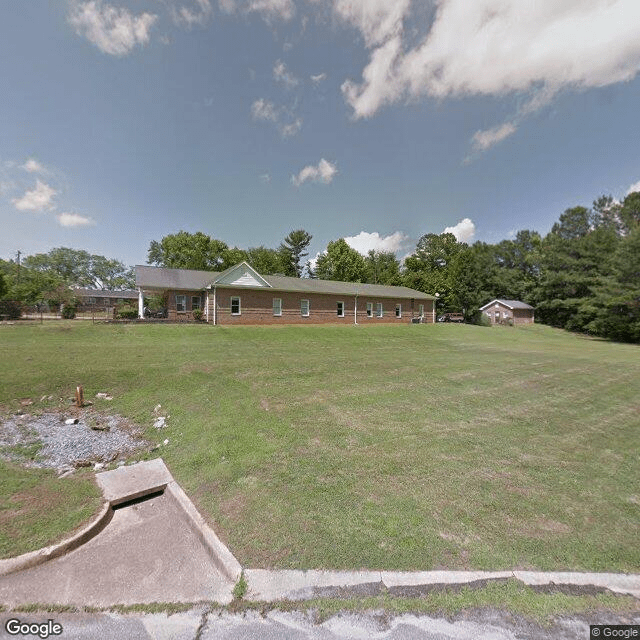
<point>79,396</point>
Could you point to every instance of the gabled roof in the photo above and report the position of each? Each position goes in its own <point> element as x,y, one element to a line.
<point>243,275</point>
<point>511,304</point>
<point>105,293</point>
<point>162,278</point>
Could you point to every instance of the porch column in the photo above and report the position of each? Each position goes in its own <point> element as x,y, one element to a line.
<point>140,304</point>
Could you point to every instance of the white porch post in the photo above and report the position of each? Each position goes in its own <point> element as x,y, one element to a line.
<point>140,304</point>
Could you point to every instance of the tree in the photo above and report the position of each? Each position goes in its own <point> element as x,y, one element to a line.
<point>3,286</point>
<point>472,278</point>
<point>185,250</point>
<point>382,268</point>
<point>341,262</point>
<point>265,261</point>
<point>292,251</point>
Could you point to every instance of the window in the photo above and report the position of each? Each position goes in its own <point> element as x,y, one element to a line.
<point>235,306</point>
<point>195,302</point>
<point>120,300</point>
<point>92,300</point>
<point>277,306</point>
<point>304,308</point>
<point>421,310</point>
<point>379,311</point>
<point>181,303</point>
<point>341,309</point>
<point>398,311</point>
<point>369,309</point>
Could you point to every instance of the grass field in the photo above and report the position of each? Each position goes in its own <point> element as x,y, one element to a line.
<point>388,447</point>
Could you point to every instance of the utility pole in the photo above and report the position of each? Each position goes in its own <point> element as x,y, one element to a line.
<point>19,252</point>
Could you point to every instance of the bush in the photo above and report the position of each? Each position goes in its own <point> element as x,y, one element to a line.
<point>10,310</point>
<point>481,319</point>
<point>127,312</point>
<point>68,311</point>
<point>198,315</point>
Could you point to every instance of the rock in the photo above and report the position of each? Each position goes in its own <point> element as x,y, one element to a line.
<point>160,422</point>
<point>25,402</point>
<point>71,421</point>
<point>98,466</point>
<point>19,412</point>
<point>121,463</point>
<point>82,463</point>
<point>157,408</point>
<point>65,473</point>
<point>166,441</point>
<point>100,427</point>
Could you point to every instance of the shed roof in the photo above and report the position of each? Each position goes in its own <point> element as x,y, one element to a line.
<point>185,279</point>
<point>105,293</point>
<point>512,304</point>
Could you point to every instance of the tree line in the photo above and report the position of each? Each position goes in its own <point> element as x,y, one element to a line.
<point>584,275</point>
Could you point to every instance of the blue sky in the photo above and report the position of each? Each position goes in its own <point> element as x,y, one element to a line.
<point>374,120</point>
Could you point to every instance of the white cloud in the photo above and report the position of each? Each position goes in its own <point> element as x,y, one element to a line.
<point>634,187</point>
<point>37,200</point>
<point>273,9</point>
<point>319,78</point>
<point>324,172</point>
<point>74,220</point>
<point>32,166</point>
<point>365,242</point>
<point>483,140</point>
<point>281,74</point>
<point>464,231</point>
<point>189,17</point>
<point>491,47</point>
<point>114,30</point>
<point>264,110</point>
<point>291,129</point>
<point>265,178</point>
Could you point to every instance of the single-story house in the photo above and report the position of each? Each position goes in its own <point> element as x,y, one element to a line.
<point>89,299</point>
<point>508,311</point>
<point>240,295</point>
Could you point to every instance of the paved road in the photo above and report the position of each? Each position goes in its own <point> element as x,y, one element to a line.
<point>198,624</point>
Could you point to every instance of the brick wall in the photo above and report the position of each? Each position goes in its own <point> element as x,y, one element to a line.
<point>187,315</point>
<point>256,307</point>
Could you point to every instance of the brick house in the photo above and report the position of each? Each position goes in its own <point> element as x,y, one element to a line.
<point>508,312</point>
<point>92,299</point>
<point>240,295</point>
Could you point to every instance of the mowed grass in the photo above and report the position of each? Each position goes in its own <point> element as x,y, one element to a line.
<point>388,447</point>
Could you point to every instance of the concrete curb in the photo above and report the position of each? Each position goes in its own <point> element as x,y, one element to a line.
<point>33,558</point>
<point>219,553</point>
<point>268,586</point>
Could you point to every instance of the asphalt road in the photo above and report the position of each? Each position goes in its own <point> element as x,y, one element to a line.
<point>200,624</point>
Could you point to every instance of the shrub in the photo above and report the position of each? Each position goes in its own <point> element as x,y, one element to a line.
<point>481,319</point>
<point>68,311</point>
<point>198,315</point>
<point>10,310</point>
<point>127,312</point>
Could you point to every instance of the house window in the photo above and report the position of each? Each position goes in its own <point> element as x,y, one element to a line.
<point>92,300</point>
<point>195,302</point>
<point>369,309</point>
<point>235,306</point>
<point>341,309</point>
<point>304,308</point>
<point>181,303</point>
<point>277,306</point>
<point>379,311</point>
<point>421,310</point>
<point>398,311</point>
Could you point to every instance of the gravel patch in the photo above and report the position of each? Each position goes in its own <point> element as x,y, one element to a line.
<point>53,444</point>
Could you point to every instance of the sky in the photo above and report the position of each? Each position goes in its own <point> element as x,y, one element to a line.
<point>379,121</point>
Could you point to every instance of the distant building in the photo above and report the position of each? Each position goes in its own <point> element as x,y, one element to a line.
<point>240,295</point>
<point>508,311</point>
<point>89,299</point>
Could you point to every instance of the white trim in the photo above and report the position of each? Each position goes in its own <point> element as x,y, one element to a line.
<point>305,315</point>
<point>140,304</point>
<point>232,298</point>
<point>340,315</point>
<point>181,295</point>
<point>379,310</point>
<point>273,306</point>
<point>247,275</point>
<point>398,310</point>
<point>369,309</point>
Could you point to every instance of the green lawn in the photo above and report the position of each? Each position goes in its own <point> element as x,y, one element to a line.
<point>388,447</point>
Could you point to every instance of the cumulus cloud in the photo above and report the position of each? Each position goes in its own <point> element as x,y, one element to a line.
<point>291,129</point>
<point>323,172</point>
<point>263,109</point>
<point>634,187</point>
<point>365,242</point>
<point>490,47</point>
<point>483,140</point>
<point>283,75</point>
<point>199,14</point>
<point>464,231</point>
<point>319,78</point>
<point>114,30</point>
<point>37,200</point>
<point>32,166</point>
<point>74,220</point>
<point>272,10</point>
